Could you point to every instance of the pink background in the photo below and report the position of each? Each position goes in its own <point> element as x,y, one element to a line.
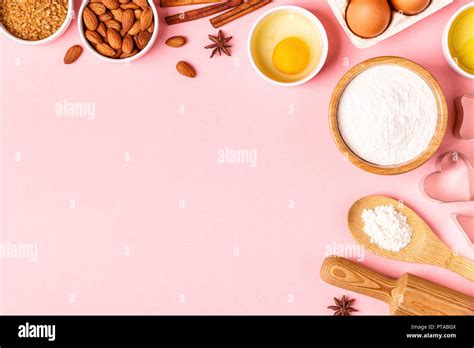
<point>126,244</point>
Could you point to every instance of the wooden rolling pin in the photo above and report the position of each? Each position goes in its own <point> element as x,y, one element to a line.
<point>409,295</point>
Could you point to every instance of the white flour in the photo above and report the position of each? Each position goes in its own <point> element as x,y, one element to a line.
<point>387,115</point>
<point>387,228</point>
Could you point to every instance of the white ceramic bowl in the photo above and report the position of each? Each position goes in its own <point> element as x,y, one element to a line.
<point>319,27</point>
<point>58,33</point>
<point>445,45</point>
<point>115,60</point>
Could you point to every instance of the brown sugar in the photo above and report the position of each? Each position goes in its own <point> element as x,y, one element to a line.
<point>33,20</point>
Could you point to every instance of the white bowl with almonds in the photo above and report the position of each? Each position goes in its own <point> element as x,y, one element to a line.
<point>118,30</point>
<point>51,19</point>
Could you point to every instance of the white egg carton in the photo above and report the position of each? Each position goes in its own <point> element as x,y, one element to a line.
<point>398,23</point>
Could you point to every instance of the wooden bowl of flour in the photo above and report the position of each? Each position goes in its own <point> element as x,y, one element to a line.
<point>388,115</point>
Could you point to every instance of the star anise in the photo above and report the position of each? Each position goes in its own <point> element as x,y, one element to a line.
<point>343,306</point>
<point>219,44</point>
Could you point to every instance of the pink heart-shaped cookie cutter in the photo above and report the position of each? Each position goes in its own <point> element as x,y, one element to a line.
<point>455,156</point>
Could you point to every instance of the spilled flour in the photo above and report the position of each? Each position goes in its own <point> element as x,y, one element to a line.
<point>387,115</point>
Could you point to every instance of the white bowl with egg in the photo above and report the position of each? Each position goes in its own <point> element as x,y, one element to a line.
<point>465,44</point>
<point>287,45</point>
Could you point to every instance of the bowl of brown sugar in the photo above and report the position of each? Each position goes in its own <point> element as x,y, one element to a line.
<point>35,22</point>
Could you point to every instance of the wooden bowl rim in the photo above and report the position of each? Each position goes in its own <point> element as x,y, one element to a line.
<point>437,136</point>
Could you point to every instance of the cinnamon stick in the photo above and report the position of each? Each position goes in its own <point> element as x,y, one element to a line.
<point>173,3</point>
<point>237,12</point>
<point>202,12</point>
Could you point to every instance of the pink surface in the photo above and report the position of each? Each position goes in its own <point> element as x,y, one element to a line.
<point>131,209</point>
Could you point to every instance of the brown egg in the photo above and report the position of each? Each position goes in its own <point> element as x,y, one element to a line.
<point>410,7</point>
<point>368,18</point>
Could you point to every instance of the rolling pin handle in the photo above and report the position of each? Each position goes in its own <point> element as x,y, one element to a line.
<point>352,276</point>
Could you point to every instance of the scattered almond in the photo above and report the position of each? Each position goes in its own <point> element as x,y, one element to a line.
<point>72,54</point>
<point>90,19</point>
<point>176,41</point>
<point>185,69</point>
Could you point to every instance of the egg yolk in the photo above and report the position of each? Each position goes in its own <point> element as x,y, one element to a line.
<point>291,56</point>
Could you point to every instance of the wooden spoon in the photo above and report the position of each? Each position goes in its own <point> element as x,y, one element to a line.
<point>425,246</point>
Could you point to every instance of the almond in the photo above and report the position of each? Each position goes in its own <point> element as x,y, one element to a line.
<point>114,24</point>
<point>117,13</point>
<point>127,44</point>
<point>124,1</point>
<point>128,18</point>
<point>135,29</point>
<point>151,27</point>
<point>138,13</point>
<point>93,37</point>
<point>143,39</point>
<point>185,69</point>
<point>106,17</point>
<point>72,54</point>
<point>114,38</point>
<point>146,18</point>
<point>117,54</point>
<point>130,5</point>
<point>141,3</point>
<point>131,54</point>
<point>176,41</point>
<point>111,4</point>
<point>90,19</point>
<point>102,30</point>
<point>95,1</point>
<point>105,50</point>
<point>98,8</point>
